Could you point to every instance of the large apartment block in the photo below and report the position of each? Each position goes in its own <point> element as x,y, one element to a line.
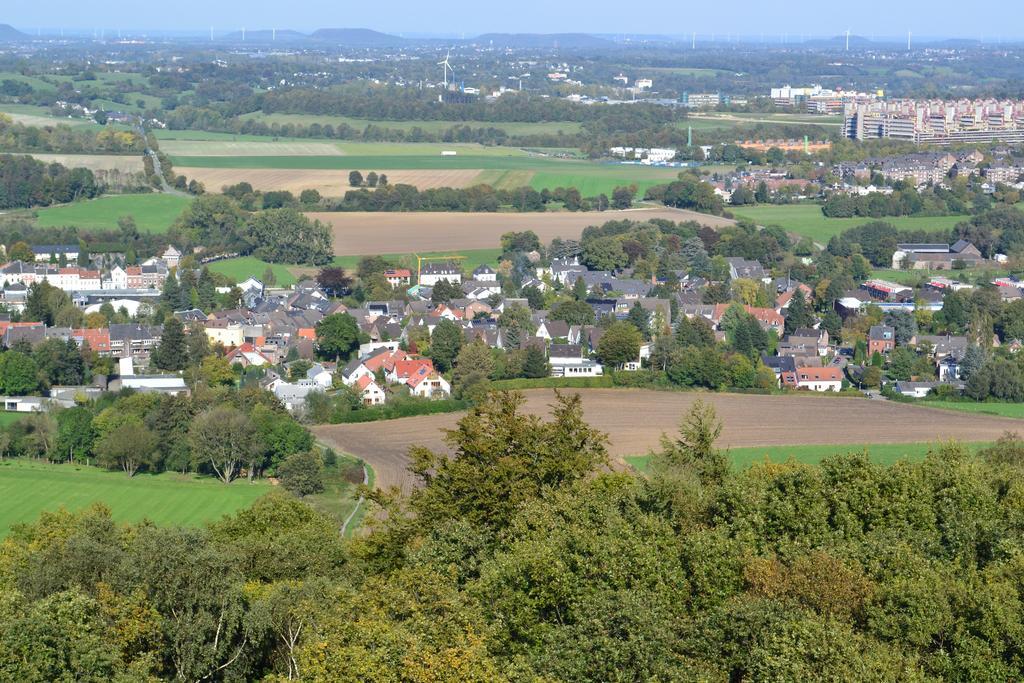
<point>937,121</point>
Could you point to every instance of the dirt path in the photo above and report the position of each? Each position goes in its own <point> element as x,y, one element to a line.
<point>635,420</point>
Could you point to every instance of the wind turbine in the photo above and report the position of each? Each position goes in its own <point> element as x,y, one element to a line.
<point>446,66</point>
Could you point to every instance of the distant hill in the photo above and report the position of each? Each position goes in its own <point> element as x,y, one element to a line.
<point>8,33</point>
<point>267,36</point>
<point>357,37</point>
<point>528,40</point>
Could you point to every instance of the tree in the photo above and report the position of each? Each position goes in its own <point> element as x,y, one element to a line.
<point>573,312</point>
<point>172,352</point>
<point>444,291</point>
<point>309,197</point>
<point>695,446</point>
<point>288,236</point>
<point>224,438</point>
<point>19,374</point>
<point>302,473</point>
<point>579,290</point>
<point>535,363</point>
<point>75,435</point>
<point>473,368</point>
<point>622,197</point>
<point>335,281</point>
<point>127,447</point>
<point>904,324</point>
<point>504,457</point>
<point>355,178</point>
<point>620,344</point>
<point>445,343</point>
<point>695,331</point>
<point>371,179</point>
<point>798,314</point>
<point>639,318</point>
<point>337,336</point>
<point>216,371</point>
<point>20,251</point>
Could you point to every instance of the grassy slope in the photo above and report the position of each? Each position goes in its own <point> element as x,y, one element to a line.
<point>28,488</point>
<point>152,212</point>
<point>885,454</point>
<point>244,267</point>
<point>807,219</point>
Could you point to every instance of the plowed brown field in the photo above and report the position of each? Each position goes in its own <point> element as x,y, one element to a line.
<point>361,233</point>
<point>635,420</point>
<point>328,183</point>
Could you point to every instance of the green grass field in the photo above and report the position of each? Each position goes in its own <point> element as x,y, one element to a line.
<point>474,259</point>
<point>244,267</point>
<point>885,453</point>
<point>28,488</point>
<point>1015,410</point>
<point>913,277</point>
<point>513,128</point>
<point>152,212</point>
<point>807,219</point>
<point>7,419</point>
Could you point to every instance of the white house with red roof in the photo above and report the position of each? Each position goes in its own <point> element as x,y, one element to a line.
<point>246,355</point>
<point>819,379</point>
<point>369,391</point>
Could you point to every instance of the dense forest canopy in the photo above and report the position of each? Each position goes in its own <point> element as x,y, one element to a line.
<point>524,558</point>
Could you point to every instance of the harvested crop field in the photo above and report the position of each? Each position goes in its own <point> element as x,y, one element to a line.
<point>328,183</point>
<point>635,419</point>
<point>243,148</point>
<point>96,162</point>
<point>363,233</point>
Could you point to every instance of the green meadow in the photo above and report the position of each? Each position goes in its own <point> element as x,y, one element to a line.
<point>244,267</point>
<point>473,259</point>
<point>884,454</point>
<point>808,220</point>
<point>28,488</point>
<point>152,212</point>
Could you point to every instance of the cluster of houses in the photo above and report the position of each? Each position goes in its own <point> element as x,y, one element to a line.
<point>106,279</point>
<point>933,168</point>
<point>273,328</point>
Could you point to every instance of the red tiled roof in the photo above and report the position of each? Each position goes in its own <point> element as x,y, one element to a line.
<point>829,374</point>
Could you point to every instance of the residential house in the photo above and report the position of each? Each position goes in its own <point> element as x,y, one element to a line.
<point>369,392</point>
<point>881,339</point>
<point>819,379</point>
<point>398,277</point>
<point>567,360</point>
<point>434,272</point>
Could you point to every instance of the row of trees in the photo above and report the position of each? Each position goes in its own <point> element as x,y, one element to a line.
<point>482,198</point>
<point>63,139</point>
<point>26,182</point>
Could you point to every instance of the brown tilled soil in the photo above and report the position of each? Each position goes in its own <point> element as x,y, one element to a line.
<point>359,233</point>
<point>635,420</point>
<point>329,183</point>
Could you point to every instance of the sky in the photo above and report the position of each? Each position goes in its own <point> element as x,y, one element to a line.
<point>1001,19</point>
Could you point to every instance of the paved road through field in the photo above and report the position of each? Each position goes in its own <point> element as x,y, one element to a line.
<point>635,420</point>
